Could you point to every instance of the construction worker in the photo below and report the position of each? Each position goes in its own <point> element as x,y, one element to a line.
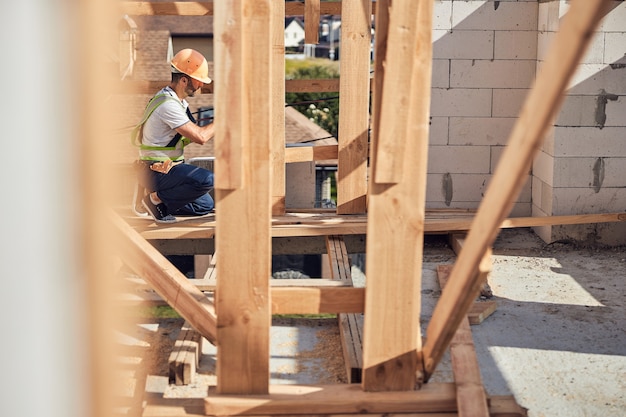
<point>174,187</point>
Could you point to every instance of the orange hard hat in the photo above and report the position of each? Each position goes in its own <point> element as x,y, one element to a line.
<point>192,63</point>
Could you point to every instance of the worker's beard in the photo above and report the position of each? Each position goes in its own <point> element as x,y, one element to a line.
<point>191,92</point>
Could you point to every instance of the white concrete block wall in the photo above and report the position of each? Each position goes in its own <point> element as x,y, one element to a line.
<point>486,56</point>
<point>582,166</point>
<point>484,63</point>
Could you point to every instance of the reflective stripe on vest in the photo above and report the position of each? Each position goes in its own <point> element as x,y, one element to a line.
<point>173,151</point>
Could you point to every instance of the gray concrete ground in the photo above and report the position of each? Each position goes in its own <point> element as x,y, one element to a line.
<point>557,341</point>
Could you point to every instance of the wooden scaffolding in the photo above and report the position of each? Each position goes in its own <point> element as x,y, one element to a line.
<point>381,193</point>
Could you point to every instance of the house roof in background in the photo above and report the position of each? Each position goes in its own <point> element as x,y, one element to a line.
<point>154,34</point>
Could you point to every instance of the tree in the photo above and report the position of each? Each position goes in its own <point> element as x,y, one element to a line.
<point>321,108</point>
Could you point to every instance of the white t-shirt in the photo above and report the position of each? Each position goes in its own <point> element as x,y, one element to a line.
<point>171,114</point>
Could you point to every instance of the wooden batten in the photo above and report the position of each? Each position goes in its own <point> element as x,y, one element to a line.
<point>311,21</point>
<point>333,399</point>
<point>244,265</point>
<point>350,325</point>
<point>395,227</point>
<point>395,96</point>
<point>354,106</point>
<point>278,108</point>
<point>166,280</point>
<point>470,393</point>
<point>202,8</point>
<point>538,111</point>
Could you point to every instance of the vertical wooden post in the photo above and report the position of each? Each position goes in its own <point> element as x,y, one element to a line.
<point>243,237</point>
<point>395,228</point>
<point>354,106</point>
<point>230,124</point>
<point>278,107</point>
<point>391,140</point>
<point>537,113</point>
<point>311,21</point>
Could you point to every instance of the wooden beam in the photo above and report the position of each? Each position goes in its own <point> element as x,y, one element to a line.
<point>300,300</point>
<point>537,114</point>
<point>333,399</point>
<point>185,356</point>
<point>156,406</point>
<point>355,225</point>
<point>354,106</point>
<point>310,153</point>
<point>321,85</point>
<point>173,8</point>
<point>395,232</point>
<point>243,204</point>
<point>457,241</point>
<point>395,94</point>
<point>311,21</point>
<point>278,108</point>
<point>470,393</point>
<point>350,325</point>
<point>166,280</point>
<point>203,8</point>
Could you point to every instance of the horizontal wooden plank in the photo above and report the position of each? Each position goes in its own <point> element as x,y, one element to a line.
<point>285,300</point>
<point>291,86</point>
<point>310,153</point>
<point>173,8</point>
<point>311,224</point>
<point>333,399</point>
<point>294,300</point>
<point>205,8</point>
<point>157,406</point>
<point>206,284</point>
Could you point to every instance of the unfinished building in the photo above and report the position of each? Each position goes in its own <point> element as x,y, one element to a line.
<point>464,115</point>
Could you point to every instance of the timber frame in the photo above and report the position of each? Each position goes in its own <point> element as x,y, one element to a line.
<point>389,210</point>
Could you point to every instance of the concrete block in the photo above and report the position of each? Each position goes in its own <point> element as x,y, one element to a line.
<point>300,185</point>
<point>596,50</point>
<point>520,209</point>
<point>438,131</point>
<point>536,191</point>
<point>543,167</point>
<point>468,205</point>
<point>585,200</point>
<point>548,16</point>
<point>547,145</point>
<point>463,44</point>
<point>440,73</point>
<point>496,156</point>
<point>457,189</point>
<point>542,196</point>
<point>508,102</point>
<point>595,173</point>
<point>442,14</point>
<point>615,46</point>
<point>590,142</point>
<point>481,15</point>
<point>467,191</point>
<point>460,102</point>
<point>458,159</point>
<point>590,79</point>
<point>615,111</point>
<point>525,194</point>
<point>492,74</point>
<point>515,45</point>
<point>480,130</point>
<point>614,21</point>
<point>544,40</point>
<point>578,111</point>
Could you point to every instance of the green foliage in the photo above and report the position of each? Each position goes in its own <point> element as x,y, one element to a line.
<point>160,312</point>
<point>321,108</point>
